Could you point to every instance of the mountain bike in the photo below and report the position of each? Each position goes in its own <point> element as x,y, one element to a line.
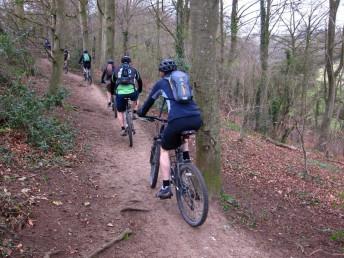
<point>87,75</point>
<point>65,66</point>
<point>190,188</point>
<point>129,121</point>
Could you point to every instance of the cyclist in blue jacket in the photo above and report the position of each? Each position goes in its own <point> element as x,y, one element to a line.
<point>181,117</point>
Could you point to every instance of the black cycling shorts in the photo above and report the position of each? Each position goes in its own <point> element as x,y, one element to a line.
<point>171,138</point>
<point>121,101</point>
<point>87,65</point>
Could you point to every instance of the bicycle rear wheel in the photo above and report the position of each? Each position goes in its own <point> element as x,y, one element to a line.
<point>89,78</point>
<point>129,121</point>
<point>192,195</point>
<point>155,163</point>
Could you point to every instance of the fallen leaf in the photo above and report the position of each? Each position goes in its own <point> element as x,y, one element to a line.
<point>25,190</point>
<point>87,204</point>
<point>30,222</point>
<point>57,203</point>
<point>110,225</point>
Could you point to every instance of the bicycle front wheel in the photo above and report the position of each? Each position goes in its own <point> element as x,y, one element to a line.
<point>114,109</point>
<point>129,127</point>
<point>155,163</point>
<point>192,195</point>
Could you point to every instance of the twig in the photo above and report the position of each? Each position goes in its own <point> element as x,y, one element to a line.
<point>328,253</point>
<point>127,232</point>
<point>51,253</point>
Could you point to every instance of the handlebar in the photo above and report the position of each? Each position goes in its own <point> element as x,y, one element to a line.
<point>153,118</point>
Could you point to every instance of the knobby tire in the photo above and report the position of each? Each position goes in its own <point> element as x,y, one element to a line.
<point>155,163</point>
<point>130,127</point>
<point>191,192</point>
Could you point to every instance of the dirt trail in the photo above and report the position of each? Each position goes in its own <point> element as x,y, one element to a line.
<point>121,173</point>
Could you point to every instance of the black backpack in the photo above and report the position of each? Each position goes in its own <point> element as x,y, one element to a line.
<point>181,88</point>
<point>126,75</point>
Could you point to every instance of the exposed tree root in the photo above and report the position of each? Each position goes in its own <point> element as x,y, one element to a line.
<point>128,209</point>
<point>325,252</point>
<point>127,232</point>
<point>51,253</point>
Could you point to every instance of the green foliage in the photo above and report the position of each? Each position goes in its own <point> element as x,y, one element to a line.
<point>16,59</point>
<point>6,155</point>
<point>338,236</point>
<point>228,201</point>
<point>20,108</point>
<point>233,126</point>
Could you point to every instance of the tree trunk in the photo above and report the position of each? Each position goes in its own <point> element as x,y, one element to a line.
<point>58,16</point>
<point>158,29</point>
<point>109,34</point>
<point>222,45</point>
<point>180,30</point>
<point>204,21</point>
<point>20,13</point>
<point>261,95</point>
<point>234,30</point>
<point>331,89</point>
<point>100,32</point>
<point>83,23</point>
<point>103,37</point>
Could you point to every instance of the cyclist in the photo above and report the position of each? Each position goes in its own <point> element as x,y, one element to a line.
<point>85,60</point>
<point>106,76</point>
<point>181,117</point>
<point>125,78</point>
<point>66,58</point>
<point>47,44</point>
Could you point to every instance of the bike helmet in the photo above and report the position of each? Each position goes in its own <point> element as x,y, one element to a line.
<point>110,61</point>
<point>126,59</point>
<point>167,65</point>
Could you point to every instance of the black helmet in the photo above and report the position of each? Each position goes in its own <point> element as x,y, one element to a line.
<point>167,65</point>
<point>110,61</point>
<point>126,59</point>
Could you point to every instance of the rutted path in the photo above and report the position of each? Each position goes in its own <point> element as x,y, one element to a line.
<point>121,173</point>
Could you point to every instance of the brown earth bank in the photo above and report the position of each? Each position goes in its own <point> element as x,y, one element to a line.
<point>88,199</point>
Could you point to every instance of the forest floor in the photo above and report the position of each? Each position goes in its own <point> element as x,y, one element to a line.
<point>100,192</point>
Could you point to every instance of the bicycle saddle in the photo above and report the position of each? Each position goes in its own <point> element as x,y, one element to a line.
<point>187,133</point>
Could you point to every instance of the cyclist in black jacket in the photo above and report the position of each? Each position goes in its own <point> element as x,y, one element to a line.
<point>181,117</point>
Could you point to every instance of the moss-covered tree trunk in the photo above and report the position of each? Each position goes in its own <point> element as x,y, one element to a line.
<point>20,13</point>
<point>204,22</point>
<point>331,76</point>
<point>58,19</point>
<point>109,28</point>
<point>83,23</point>
<point>262,92</point>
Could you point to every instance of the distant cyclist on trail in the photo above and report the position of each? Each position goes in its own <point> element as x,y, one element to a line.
<point>85,60</point>
<point>109,69</point>
<point>183,115</point>
<point>47,44</point>
<point>66,57</point>
<point>125,78</point>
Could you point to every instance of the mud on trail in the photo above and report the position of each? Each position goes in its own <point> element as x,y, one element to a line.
<point>108,192</point>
